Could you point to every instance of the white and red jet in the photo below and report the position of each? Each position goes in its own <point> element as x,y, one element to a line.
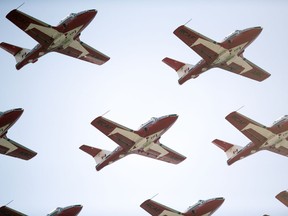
<point>8,146</point>
<point>145,141</point>
<point>227,55</point>
<point>63,38</point>
<point>274,138</point>
<point>201,208</point>
<point>72,210</point>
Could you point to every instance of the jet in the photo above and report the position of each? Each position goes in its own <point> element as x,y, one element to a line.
<point>273,138</point>
<point>201,208</point>
<point>72,210</point>
<point>227,54</point>
<point>283,197</point>
<point>8,146</point>
<point>144,141</point>
<point>63,38</point>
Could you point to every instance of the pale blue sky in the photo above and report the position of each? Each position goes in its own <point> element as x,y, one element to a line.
<point>61,96</point>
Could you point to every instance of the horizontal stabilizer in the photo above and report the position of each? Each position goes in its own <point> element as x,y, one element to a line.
<point>230,149</point>
<point>18,52</point>
<point>181,68</point>
<point>98,154</point>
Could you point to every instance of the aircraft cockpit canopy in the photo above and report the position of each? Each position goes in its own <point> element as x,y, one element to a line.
<point>283,118</point>
<point>71,15</point>
<point>153,119</point>
<point>231,35</point>
<point>196,205</point>
<point>55,212</point>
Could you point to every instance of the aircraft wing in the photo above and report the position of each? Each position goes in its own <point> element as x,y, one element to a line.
<point>14,149</point>
<point>253,130</point>
<point>202,45</point>
<point>123,136</point>
<point>244,67</point>
<point>80,50</point>
<point>38,30</point>
<point>283,197</point>
<point>155,209</point>
<point>161,152</point>
<point>6,211</point>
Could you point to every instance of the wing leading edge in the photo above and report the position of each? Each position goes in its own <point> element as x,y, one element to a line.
<point>28,23</point>
<point>6,211</point>
<point>161,152</point>
<point>155,209</point>
<point>80,50</point>
<point>246,68</point>
<point>14,149</point>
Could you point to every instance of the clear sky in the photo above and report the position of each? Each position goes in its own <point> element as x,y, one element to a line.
<point>62,95</point>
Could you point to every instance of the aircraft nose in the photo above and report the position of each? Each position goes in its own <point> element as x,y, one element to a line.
<point>218,202</point>
<point>254,32</point>
<point>15,113</point>
<point>72,210</point>
<point>170,119</point>
<point>90,14</point>
<point>258,29</point>
<point>86,17</point>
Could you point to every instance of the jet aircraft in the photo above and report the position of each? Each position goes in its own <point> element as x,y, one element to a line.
<point>73,210</point>
<point>201,208</point>
<point>274,138</point>
<point>8,146</point>
<point>145,141</point>
<point>283,197</point>
<point>227,55</point>
<point>63,38</point>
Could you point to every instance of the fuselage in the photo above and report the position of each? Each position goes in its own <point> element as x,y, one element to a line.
<point>204,207</point>
<point>232,46</point>
<point>63,35</point>
<point>148,133</point>
<point>8,119</point>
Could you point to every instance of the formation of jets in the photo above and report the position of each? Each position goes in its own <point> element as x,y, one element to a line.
<point>73,210</point>
<point>228,55</point>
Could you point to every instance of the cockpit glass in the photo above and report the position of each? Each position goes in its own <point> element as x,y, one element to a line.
<point>232,34</point>
<point>280,119</point>
<point>71,15</point>
<point>195,205</point>
<point>153,119</point>
<point>55,212</point>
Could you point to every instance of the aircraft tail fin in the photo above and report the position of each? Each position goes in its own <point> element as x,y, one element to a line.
<point>18,52</point>
<point>230,149</point>
<point>99,155</point>
<point>181,68</point>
